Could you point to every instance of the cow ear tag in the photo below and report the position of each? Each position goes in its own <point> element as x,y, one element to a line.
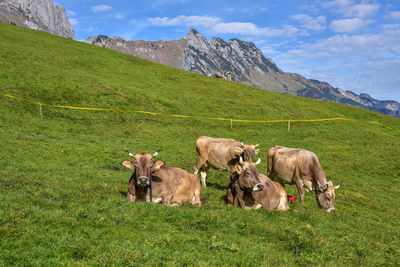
<point>238,170</point>
<point>127,164</point>
<point>238,150</point>
<point>159,164</point>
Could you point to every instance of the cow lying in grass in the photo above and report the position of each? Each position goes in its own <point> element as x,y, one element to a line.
<point>251,190</point>
<point>301,167</point>
<point>153,181</point>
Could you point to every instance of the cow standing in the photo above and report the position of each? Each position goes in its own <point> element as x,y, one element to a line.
<point>221,154</point>
<point>301,167</point>
<point>168,185</point>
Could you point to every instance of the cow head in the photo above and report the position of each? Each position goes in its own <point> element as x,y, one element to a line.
<point>326,196</point>
<point>143,165</point>
<point>246,151</point>
<point>247,176</point>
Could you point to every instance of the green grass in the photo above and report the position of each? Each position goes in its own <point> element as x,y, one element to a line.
<point>63,192</point>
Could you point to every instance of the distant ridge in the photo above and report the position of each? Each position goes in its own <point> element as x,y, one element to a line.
<point>248,65</point>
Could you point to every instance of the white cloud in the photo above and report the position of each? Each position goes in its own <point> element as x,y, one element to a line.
<point>101,8</point>
<point>119,16</point>
<point>394,15</point>
<point>361,10</point>
<point>337,3</point>
<point>348,8</point>
<point>268,51</point>
<point>215,25</point>
<point>185,20</point>
<point>368,63</point>
<point>248,28</point>
<point>71,13</point>
<point>348,25</point>
<point>229,9</point>
<point>315,24</point>
<point>389,27</point>
<point>73,21</point>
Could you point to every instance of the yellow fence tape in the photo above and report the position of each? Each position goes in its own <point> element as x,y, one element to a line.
<point>185,116</point>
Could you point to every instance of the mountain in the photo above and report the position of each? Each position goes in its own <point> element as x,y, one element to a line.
<point>246,62</point>
<point>40,15</point>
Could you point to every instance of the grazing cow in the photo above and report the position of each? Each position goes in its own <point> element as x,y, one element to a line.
<point>302,167</point>
<point>221,154</point>
<point>244,182</point>
<point>218,76</point>
<point>273,196</point>
<point>153,181</point>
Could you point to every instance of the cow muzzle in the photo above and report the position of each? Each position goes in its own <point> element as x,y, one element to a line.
<point>330,209</point>
<point>258,187</point>
<point>144,180</point>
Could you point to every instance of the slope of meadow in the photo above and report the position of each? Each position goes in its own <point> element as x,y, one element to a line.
<point>62,189</point>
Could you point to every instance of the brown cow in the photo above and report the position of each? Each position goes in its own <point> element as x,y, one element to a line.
<point>221,154</point>
<point>244,181</point>
<point>302,167</point>
<point>272,196</point>
<point>166,184</point>
<point>218,76</point>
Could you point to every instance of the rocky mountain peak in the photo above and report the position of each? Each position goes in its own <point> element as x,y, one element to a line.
<point>40,15</point>
<point>246,62</point>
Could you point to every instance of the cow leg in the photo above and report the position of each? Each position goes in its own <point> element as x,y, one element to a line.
<point>199,164</point>
<point>257,206</point>
<point>166,200</point>
<point>299,185</point>
<point>203,178</point>
<point>230,200</point>
<point>130,197</point>
<point>196,198</point>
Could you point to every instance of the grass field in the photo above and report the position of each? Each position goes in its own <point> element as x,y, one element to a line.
<point>63,191</point>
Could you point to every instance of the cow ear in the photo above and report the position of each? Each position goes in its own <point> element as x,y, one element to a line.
<point>127,164</point>
<point>238,169</point>
<point>158,164</point>
<point>257,151</point>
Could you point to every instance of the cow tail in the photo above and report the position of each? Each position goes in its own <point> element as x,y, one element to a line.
<point>270,160</point>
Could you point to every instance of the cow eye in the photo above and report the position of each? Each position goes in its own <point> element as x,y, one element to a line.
<point>247,173</point>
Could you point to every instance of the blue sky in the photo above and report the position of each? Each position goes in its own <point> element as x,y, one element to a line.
<point>351,44</point>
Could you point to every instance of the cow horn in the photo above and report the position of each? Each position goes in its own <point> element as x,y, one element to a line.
<point>336,187</point>
<point>257,144</point>
<point>258,161</point>
<point>155,154</point>
<point>241,143</point>
<point>129,153</point>
<point>240,160</point>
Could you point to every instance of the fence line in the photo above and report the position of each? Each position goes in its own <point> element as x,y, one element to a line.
<point>185,116</point>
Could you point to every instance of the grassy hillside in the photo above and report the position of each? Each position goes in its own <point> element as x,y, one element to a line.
<point>62,190</point>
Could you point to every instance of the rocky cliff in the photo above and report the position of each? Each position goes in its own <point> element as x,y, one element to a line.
<point>40,15</point>
<point>246,62</point>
